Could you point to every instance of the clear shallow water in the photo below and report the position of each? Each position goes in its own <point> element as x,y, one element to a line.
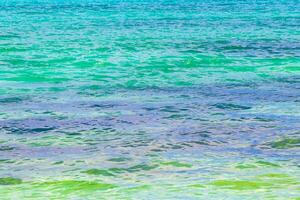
<point>149,100</point>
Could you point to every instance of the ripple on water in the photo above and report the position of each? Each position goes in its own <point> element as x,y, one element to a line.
<point>10,181</point>
<point>285,143</point>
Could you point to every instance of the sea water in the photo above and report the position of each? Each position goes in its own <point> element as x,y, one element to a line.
<point>127,99</point>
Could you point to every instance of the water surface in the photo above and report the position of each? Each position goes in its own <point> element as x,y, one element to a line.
<point>130,99</point>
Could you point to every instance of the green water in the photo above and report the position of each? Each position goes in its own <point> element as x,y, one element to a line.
<point>111,99</point>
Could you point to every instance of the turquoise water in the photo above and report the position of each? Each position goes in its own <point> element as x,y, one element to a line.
<point>150,99</point>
